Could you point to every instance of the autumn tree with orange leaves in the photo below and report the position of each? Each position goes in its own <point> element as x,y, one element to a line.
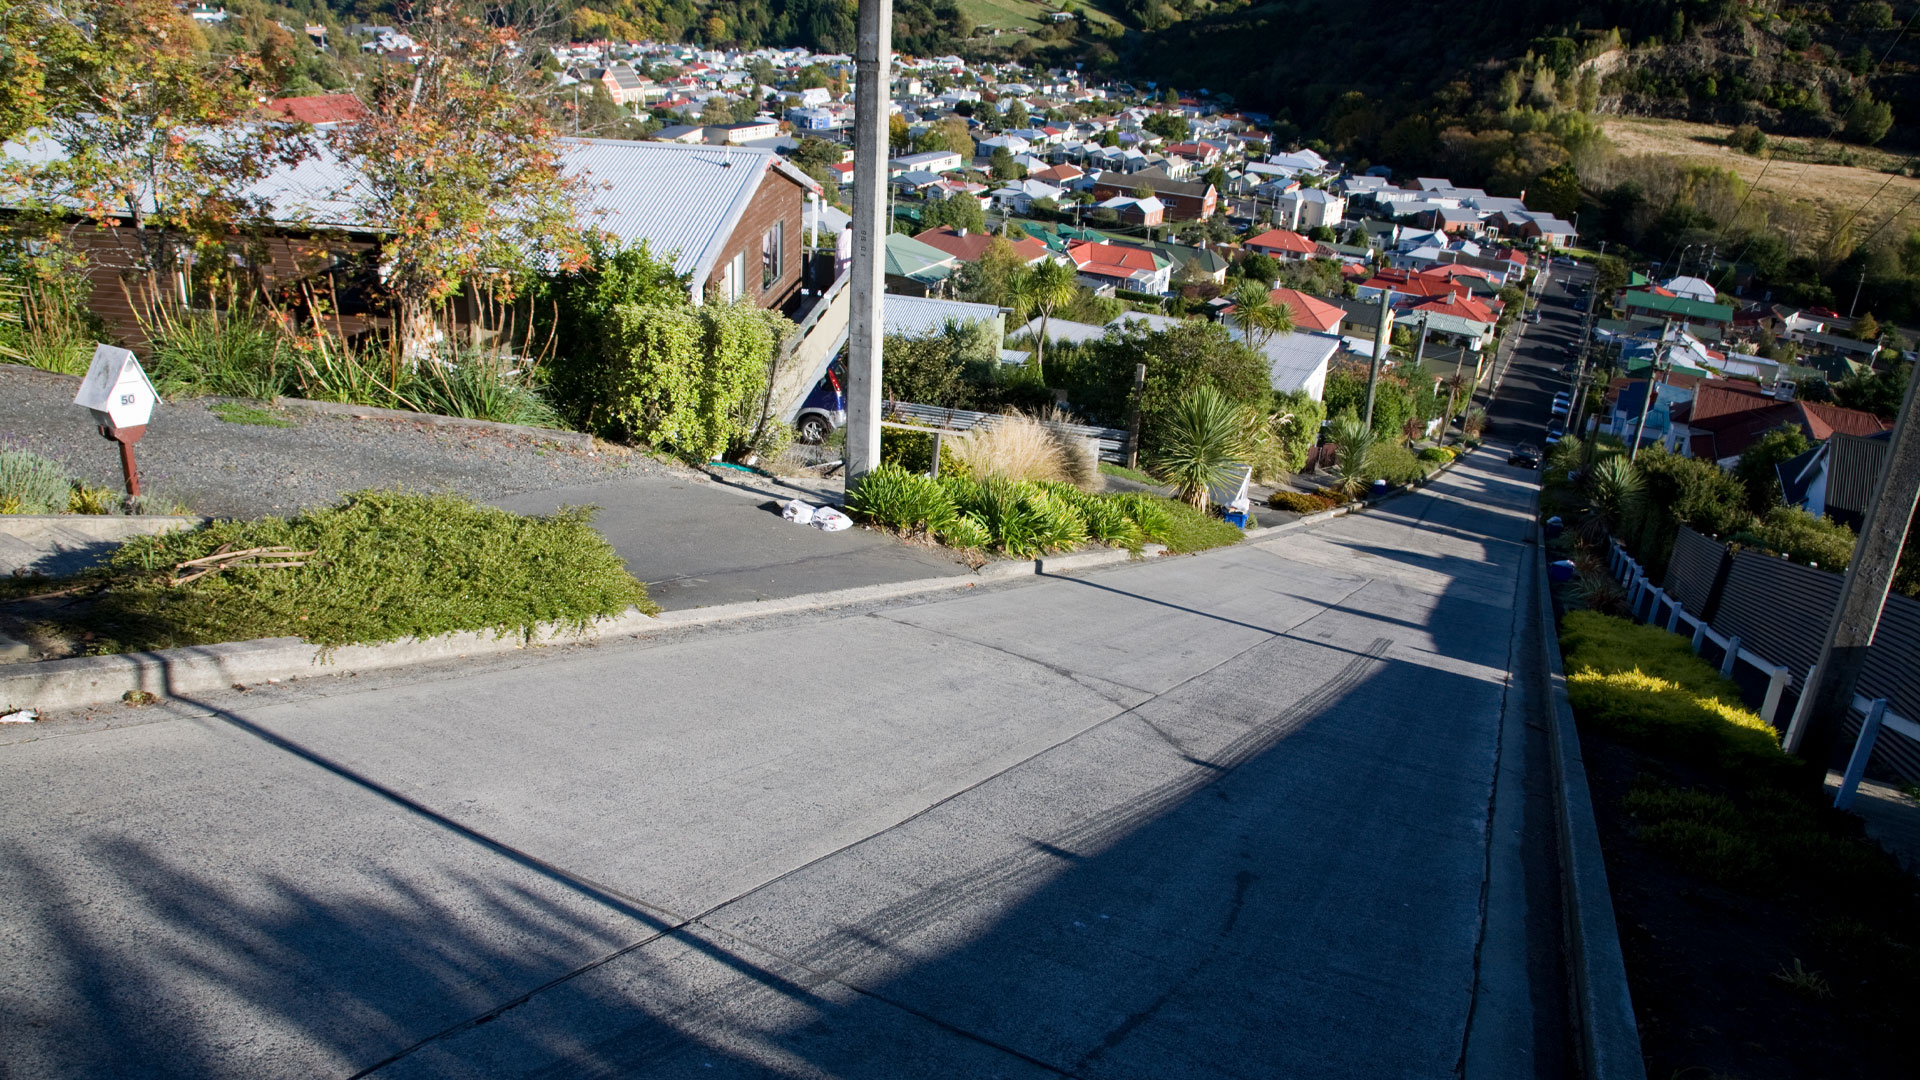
<point>459,167</point>
<point>133,124</point>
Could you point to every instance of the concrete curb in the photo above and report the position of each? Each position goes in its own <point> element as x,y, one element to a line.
<point>576,439</point>
<point>51,685</point>
<point>1606,1038</point>
<point>101,527</point>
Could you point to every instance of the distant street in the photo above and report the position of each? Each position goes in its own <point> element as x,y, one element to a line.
<point>1221,816</point>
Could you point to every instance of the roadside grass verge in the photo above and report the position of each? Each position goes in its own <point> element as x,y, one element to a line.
<point>1024,519</point>
<point>1751,910</point>
<point>384,566</point>
<point>1135,475</point>
<point>235,412</point>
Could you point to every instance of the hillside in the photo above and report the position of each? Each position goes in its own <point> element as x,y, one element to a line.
<point>1811,69</point>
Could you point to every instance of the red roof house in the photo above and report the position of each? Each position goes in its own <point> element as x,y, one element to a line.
<point>319,109</point>
<point>969,246</point>
<point>1309,311</point>
<point>1282,244</point>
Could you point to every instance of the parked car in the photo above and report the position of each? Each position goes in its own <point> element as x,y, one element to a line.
<point>1557,429</point>
<point>1559,408</point>
<point>1533,316</point>
<point>1526,455</point>
<point>825,410</point>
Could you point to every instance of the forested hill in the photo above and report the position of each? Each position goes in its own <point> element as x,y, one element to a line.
<point>1811,68</point>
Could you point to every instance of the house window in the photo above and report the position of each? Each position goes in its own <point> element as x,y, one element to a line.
<point>773,255</point>
<point>733,278</point>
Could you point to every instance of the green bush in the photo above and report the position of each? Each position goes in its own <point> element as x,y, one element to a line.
<point>32,484</point>
<point>691,380</point>
<point>1801,537</point>
<point>387,565</point>
<point>1436,455</point>
<point>1646,688</point>
<point>1395,464</point>
<point>236,352</point>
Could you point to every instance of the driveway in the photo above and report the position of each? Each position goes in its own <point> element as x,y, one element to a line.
<point>1215,816</point>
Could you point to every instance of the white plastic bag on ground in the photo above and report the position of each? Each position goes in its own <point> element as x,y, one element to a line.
<point>827,519</point>
<point>798,512</point>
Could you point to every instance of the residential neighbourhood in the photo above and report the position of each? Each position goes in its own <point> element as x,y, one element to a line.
<point>528,550</point>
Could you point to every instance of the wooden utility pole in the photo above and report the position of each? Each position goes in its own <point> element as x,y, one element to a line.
<point>1381,331</point>
<point>1133,416</point>
<point>1646,403</point>
<point>1863,591</point>
<point>865,331</point>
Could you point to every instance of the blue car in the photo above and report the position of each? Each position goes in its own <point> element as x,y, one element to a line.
<point>825,409</point>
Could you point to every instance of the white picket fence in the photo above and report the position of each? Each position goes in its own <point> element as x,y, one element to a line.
<point>1875,711</point>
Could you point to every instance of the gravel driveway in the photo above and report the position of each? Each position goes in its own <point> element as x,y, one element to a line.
<point>237,470</point>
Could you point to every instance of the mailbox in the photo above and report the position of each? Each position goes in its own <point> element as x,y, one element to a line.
<point>121,399</point>
<point>116,389</point>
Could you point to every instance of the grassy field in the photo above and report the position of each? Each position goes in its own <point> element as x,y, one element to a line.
<point>1020,14</point>
<point>1810,169</point>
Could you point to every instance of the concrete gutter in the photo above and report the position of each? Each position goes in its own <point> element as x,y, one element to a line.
<point>102,528</point>
<point>575,439</point>
<point>81,681</point>
<point>1606,1037</point>
<point>1269,531</point>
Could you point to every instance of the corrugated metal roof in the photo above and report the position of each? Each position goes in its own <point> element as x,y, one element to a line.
<point>682,200</point>
<point>913,316</point>
<point>1853,468</point>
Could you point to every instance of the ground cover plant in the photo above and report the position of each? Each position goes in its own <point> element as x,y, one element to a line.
<point>383,566</point>
<point>1764,934</point>
<point>32,483</point>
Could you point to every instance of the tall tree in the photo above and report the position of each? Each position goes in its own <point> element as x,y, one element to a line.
<point>1259,317</point>
<point>1045,287</point>
<point>142,119</point>
<point>460,168</point>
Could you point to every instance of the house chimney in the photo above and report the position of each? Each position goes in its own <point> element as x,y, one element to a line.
<point>963,230</point>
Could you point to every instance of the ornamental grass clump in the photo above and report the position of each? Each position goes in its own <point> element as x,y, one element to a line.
<point>1013,447</point>
<point>384,566</point>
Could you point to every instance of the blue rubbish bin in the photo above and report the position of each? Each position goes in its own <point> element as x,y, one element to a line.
<point>1379,489</point>
<point>1561,571</point>
<point>1236,519</point>
<point>1555,527</point>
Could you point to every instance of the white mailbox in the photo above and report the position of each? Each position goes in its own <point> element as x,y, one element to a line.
<point>116,389</point>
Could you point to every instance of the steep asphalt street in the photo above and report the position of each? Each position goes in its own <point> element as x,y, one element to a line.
<point>1232,815</point>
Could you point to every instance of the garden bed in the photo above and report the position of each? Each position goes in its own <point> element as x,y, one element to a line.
<point>1764,935</point>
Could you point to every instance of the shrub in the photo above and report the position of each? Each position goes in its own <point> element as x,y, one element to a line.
<point>32,484</point>
<point>1394,463</point>
<point>1106,518</point>
<point>1354,444</point>
<point>691,380</point>
<point>1801,537</point>
<point>1437,455</point>
<point>1297,501</point>
<point>908,502</point>
<point>387,565</point>
<point>1644,687</point>
<point>236,352</point>
<point>83,499</point>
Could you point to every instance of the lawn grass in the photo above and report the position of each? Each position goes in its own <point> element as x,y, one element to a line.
<point>237,412</point>
<point>1137,476</point>
<point>385,566</point>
